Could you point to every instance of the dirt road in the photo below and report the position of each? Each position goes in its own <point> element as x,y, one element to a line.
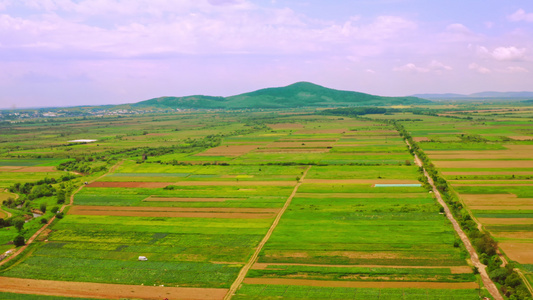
<point>491,287</point>
<point>254,257</point>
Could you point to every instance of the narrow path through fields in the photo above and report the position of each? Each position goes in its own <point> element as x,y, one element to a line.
<point>8,214</point>
<point>254,257</point>
<point>34,236</point>
<point>491,287</point>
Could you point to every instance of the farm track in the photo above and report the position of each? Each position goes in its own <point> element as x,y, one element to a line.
<point>253,259</point>
<point>491,287</point>
<point>8,214</point>
<point>524,279</point>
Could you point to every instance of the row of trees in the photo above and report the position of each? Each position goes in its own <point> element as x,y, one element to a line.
<point>510,283</point>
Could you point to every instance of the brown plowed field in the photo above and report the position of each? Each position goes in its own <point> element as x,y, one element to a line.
<point>322,131</point>
<point>235,183</point>
<point>105,184</point>
<point>106,291</point>
<point>520,252</point>
<point>516,235</point>
<point>300,144</point>
<point>229,150</point>
<point>508,164</point>
<point>453,270</point>
<point>363,284</point>
<point>157,199</point>
<point>421,139</point>
<point>361,181</point>
<point>506,207</point>
<point>489,173</point>
<point>294,150</point>
<point>36,170</point>
<point>157,134</point>
<point>505,221</point>
<point>496,200</point>
<point>286,126</point>
<point>80,208</point>
<point>496,155</point>
<point>521,137</point>
<point>9,168</point>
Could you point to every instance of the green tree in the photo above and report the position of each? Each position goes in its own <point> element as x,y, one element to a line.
<point>43,207</point>
<point>18,223</point>
<point>19,241</point>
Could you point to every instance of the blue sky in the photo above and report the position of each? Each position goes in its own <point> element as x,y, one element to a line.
<point>77,52</point>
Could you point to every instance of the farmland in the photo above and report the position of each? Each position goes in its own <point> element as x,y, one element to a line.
<point>310,205</point>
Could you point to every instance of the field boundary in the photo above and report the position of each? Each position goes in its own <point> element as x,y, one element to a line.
<point>253,259</point>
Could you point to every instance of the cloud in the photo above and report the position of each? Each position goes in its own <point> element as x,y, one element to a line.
<point>458,32</point>
<point>411,68</point>
<point>459,29</point>
<point>503,53</point>
<point>479,69</point>
<point>514,69</point>
<point>434,66</point>
<point>521,15</point>
<point>439,67</point>
<point>509,53</point>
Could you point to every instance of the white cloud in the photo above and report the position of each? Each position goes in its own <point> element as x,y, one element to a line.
<point>521,15</point>
<point>438,67</point>
<point>459,33</point>
<point>509,53</point>
<point>502,53</point>
<point>459,29</point>
<point>434,66</point>
<point>370,71</point>
<point>411,68</point>
<point>479,69</point>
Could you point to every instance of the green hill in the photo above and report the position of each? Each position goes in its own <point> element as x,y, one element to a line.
<point>301,94</point>
<point>197,101</point>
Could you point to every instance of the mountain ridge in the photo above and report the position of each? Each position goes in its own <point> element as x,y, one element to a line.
<point>299,94</point>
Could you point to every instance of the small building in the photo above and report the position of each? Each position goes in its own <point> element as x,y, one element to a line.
<point>143,258</point>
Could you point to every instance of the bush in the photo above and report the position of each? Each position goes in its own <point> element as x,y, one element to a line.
<point>43,207</point>
<point>44,221</point>
<point>60,215</point>
<point>55,209</point>
<point>19,241</point>
<point>18,223</point>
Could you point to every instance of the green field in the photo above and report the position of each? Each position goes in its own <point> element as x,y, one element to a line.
<point>196,193</point>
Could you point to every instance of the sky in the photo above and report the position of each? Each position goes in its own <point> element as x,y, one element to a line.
<point>90,52</point>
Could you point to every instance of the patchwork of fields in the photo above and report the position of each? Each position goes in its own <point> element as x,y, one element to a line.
<point>489,164</point>
<point>201,214</point>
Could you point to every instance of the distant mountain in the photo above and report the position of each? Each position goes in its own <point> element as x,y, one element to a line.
<point>198,101</point>
<point>301,94</point>
<point>478,96</point>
